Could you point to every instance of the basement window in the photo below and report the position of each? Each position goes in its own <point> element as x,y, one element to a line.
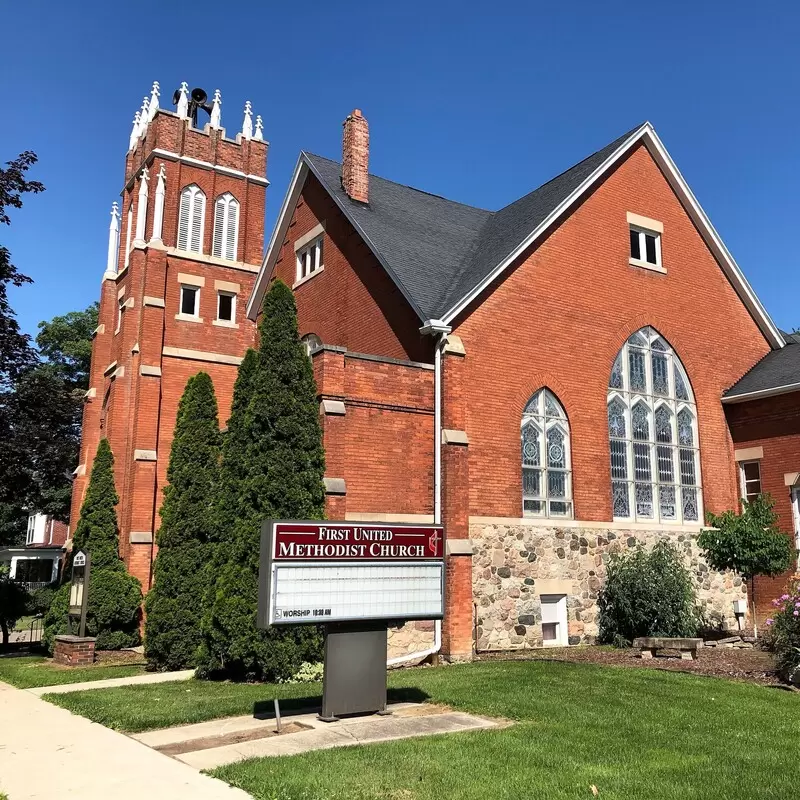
<point>190,301</point>
<point>309,259</point>
<point>554,620</point>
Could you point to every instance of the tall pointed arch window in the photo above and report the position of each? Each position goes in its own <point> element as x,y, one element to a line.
<point>191,219</point>
<point>652,430</point>
<point>226,227</point>
<point>546,457</point>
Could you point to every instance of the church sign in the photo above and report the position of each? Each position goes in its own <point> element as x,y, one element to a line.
<point>321,572</point>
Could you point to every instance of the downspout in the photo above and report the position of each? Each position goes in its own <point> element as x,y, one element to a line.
<point>433,328</point>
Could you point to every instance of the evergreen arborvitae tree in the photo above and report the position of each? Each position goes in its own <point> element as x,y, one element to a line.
<point>182,570</point>
<point>115,596</point>
<point>276,464</point>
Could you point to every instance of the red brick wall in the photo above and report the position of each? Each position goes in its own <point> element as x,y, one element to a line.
<point>140,410</point>
<point>774,425</point>
<point>352,303</point>
<point>560,317</point>
<point>383,446</point>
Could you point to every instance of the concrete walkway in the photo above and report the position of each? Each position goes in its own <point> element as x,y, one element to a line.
<point>110,683</point>
<point>407,720</point>
<point>47,753</point>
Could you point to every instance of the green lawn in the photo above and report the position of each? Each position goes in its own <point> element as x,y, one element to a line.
<point>632,733</point>
<point>29,671</point>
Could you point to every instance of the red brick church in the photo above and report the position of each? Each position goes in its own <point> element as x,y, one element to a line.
<point>581,370</point>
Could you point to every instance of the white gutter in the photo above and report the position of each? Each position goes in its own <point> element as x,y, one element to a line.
<point>436,328</point>
<point>774,391</point>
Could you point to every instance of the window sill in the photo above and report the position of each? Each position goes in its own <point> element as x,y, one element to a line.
<point>308,277</point>
<point>635,262</point>
<point>188,318</point>
<point>224,323</point>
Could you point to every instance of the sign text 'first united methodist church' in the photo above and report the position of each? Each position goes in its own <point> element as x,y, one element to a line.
<point>302,541</point>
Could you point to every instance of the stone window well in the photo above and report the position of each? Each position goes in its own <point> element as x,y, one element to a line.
<point>546,470</point>
<point>653,437</point>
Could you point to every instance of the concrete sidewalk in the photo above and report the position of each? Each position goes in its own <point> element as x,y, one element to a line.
<point>110,683</point>
<point>47,753</point>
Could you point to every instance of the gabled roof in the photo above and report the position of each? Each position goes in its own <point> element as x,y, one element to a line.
<point>442,254</point>
<point>422,239</point>
<point>778,372</point>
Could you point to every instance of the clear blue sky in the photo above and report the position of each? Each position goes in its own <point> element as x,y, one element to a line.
<point>480,102</point>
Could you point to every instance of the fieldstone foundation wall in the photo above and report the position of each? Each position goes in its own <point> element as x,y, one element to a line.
<point>514,563</point>
<point>413,637</point>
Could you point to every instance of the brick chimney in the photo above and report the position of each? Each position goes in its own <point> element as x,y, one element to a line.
<point>355,157</point>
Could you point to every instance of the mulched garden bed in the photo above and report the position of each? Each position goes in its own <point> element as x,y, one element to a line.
<point>117,658</point>
<point>752,665</point>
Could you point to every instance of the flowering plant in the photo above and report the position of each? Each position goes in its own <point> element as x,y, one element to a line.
<point>785,629</point>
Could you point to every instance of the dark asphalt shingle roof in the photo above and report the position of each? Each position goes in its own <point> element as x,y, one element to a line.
<point>438,250</point>
<point>777,369</point>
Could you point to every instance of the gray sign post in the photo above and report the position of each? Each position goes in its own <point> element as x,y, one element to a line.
<point>354,578</point>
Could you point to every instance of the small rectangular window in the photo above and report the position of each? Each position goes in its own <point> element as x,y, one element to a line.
<point>190,301</point>
<point>309,259</point>
<point>645,246</point>
<point>750,473</point>
<point>226,306</point>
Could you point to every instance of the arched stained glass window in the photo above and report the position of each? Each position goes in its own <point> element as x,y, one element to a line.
<point>652,430</point>
<point>546,457</point>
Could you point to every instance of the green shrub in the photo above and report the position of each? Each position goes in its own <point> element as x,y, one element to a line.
<point>115,596</point>
<point>647,593</point>
<point>785,633</point>
<point>112,613</point>
<point>272,468</point>
<point>308,673</point>
<point>182,570</point>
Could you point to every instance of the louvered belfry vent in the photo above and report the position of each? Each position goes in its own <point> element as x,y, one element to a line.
<point>226,227</point>
<point>191,219</point>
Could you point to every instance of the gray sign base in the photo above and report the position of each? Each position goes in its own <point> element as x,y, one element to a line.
<point>355,670</point>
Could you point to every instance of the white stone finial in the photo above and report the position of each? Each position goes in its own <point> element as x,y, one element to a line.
<point>247,124</point>
<point>135,131</point>
<point>183,101</point>
<point>216,111</point>
<point>143,116</point>
<point>155,93</point>
<point>158,209</point>
<point>141,207</point>
<point>259,136</point>
<point>113,240</point>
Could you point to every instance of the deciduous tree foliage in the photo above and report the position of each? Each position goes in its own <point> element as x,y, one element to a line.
<point>114,595</point>
<point>182,570</point>
<point>273,468</point>
<point>750,543</point>
<point>15,350</point>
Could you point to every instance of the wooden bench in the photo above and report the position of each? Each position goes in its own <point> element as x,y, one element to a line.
<point>648,645</point>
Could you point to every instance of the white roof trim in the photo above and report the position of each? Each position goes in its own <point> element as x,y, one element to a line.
<point>771,392</point>
<point>276,240</point>
<point>731,269</point>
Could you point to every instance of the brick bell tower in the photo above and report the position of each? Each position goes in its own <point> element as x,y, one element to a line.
<point>182,258</point>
